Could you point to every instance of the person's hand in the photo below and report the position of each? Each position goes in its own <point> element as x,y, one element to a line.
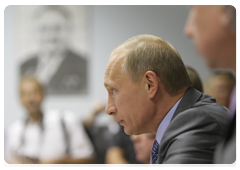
<point>98,107</point>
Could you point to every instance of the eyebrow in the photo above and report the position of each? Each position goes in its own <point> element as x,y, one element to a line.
<point>106,85</point>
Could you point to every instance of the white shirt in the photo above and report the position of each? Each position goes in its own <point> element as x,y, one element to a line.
<point>49,143</point>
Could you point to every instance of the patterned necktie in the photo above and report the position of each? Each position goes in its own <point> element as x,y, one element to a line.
<point>154,152</point>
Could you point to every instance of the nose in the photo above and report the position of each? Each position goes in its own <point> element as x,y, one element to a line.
<point>110,108</point>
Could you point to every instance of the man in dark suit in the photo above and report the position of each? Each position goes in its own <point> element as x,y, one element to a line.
<point>149,92</point>
<point>213,29</point>
<point>55,65</point>
<point>143,143</point>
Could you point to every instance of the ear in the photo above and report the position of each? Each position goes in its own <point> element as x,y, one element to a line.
<point>151,82</point>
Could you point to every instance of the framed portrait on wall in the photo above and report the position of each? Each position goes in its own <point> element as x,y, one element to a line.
<point>52,46</point>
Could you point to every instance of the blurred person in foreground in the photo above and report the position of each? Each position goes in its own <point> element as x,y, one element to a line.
<point>149,92</point>
<point>143,142</point>
<point>220,86</point>
<point>53,136</point>
<point>213,30</point>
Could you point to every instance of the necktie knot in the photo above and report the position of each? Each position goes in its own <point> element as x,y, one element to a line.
<point>154,152</point>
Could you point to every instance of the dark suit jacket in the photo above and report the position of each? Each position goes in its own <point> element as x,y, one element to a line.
<point>226,150</point>
<point>71,77</point>
<point>197,125</point>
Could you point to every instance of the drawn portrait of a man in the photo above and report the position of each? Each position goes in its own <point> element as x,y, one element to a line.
<point>54,63</point>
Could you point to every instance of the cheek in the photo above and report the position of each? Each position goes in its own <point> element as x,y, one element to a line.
<point>126,101</point>
<point>202,40</point>
<point>201,30</point>
<point>208,38</point>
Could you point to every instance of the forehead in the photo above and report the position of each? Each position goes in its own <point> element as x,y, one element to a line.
<point>113,71</point>
<point>29,85</point>
<point>208,12</point>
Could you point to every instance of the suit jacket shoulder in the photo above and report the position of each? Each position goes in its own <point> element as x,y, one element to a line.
<point>196,127</point>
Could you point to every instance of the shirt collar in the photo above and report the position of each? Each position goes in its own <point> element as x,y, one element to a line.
<point>165,122</point>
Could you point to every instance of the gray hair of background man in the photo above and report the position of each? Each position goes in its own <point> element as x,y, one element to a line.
<point>147,52</point>
<point>196,81</point>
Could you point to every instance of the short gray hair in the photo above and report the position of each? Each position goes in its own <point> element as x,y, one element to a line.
<point>147,52</point>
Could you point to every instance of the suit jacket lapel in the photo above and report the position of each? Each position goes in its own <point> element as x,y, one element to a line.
<point>189,99</point>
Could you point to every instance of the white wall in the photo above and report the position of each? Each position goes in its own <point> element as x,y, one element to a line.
<point>109,26</point>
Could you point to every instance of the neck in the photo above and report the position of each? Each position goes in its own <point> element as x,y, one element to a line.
<point>164,106</point>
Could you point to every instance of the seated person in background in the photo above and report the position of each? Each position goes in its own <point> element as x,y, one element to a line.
<point>143,143</point>
<point>114,149</point>
<point>196,81</point>
<point>220,86</point>
<point>53,136</point>
<point>142,146</point>
<point>100,132</point>
<point>149,91</point>
<point>98,107</point>
<point>121,150</point>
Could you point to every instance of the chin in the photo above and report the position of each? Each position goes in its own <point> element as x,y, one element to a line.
<point>128,131</point>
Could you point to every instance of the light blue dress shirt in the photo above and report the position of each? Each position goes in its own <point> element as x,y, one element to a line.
<point>165,122</point>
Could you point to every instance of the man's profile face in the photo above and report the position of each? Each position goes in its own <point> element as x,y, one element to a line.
<point>126,99</point>
<point>205,26</point>
<point>31,96</point>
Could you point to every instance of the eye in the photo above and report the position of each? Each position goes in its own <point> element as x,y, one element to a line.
<point>113,91</point>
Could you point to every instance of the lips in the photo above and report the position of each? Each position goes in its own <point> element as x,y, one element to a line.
<point>119,121</point>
